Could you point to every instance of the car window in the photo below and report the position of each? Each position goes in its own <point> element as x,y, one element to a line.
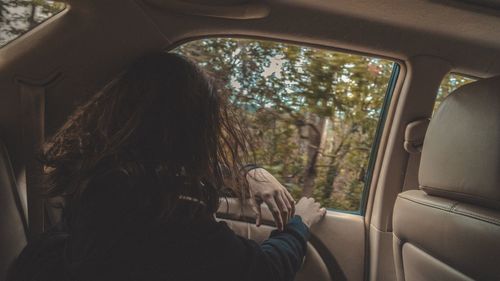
<point>450,83</point>
<point>312,114</point>
<point>20,16</point>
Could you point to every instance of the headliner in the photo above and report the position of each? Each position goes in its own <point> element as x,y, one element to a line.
<point>392,28</point>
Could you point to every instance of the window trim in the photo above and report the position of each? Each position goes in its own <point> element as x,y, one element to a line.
<point>391,87</point>
<point>175,44</point>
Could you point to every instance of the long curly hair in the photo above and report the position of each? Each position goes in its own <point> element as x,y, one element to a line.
<point>163,116</point>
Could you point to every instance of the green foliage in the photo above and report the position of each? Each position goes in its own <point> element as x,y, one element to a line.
<point>311,113</point>
<point>20,16</point>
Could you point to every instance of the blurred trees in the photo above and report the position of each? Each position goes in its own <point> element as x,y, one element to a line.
<point>312,113</point>
<point>20,16</point>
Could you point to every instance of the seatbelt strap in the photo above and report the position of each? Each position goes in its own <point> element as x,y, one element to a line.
<point>6,167</point>
<point>414,140</point>
<point>33,131</point>
<point>411,174</point>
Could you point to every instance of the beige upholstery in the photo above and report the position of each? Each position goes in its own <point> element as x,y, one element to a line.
<point>415,134</point>
<point>12,232</point>
<point>450,230</point>
<point>440,239</point>
<point>461,157</point>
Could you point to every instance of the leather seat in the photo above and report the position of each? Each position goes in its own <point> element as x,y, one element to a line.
<point>12,227</point>
<point>450,228</point>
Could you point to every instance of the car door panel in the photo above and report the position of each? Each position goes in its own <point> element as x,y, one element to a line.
<point>336,250</point>
<point>313,268</point>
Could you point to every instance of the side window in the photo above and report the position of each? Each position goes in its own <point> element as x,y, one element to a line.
<point>18,17</point>
<point>312,113</point>
<point>450,83</point>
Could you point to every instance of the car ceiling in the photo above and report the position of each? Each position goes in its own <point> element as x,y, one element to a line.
<point>394,28</point>
<point>442,17</point>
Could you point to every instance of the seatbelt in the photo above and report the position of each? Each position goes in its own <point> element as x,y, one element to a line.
<point>33,130</point>
<point>414,140</point>
<point>6,169</point>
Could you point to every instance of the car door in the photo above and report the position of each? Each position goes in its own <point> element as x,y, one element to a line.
<point>314,118</point>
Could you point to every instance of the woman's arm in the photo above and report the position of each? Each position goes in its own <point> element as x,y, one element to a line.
<point>280,256</point>
<point>283,252</point>
<point>265,188</point>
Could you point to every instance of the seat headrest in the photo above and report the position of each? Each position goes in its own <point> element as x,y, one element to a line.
<point>461,151</point>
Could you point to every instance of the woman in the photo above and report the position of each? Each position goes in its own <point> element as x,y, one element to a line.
<point>141,168</point>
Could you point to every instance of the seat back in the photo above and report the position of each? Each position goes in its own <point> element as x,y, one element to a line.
<point>450,228</point>
<point>12,222</point>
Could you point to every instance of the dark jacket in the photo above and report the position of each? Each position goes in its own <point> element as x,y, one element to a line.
<point>101,247</point>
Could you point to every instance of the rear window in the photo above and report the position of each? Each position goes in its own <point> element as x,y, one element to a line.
<point>450,83</point>
<point>20,16</point>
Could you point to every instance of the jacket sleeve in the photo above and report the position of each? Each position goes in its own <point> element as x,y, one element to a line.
<point>280,256</point>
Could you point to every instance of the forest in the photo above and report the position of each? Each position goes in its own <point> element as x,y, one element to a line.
<point>311,114</point>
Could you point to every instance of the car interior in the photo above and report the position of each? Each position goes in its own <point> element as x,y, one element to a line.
<point>430,209</point>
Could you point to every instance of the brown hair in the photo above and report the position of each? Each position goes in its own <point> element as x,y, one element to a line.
<point>162,116</point>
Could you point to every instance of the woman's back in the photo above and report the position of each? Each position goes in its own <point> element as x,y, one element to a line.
<point>141,168</point>
<point>110,237</point>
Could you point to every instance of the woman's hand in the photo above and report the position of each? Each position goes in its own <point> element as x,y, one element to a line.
<point>265,188</point>
<point>310,211</point>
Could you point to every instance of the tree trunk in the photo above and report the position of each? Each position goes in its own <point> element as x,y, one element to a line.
<point>31,18</point>
<point>331,175</point>
<point>316,133</point>
<point>336,160</point>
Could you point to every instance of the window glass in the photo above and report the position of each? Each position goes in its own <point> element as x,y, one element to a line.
<point>312,113</point>
<point>19,16</point>
<point>450,83</point>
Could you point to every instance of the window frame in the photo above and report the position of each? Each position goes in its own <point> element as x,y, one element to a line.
<point>391,87</point>
<point>398,69</point>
